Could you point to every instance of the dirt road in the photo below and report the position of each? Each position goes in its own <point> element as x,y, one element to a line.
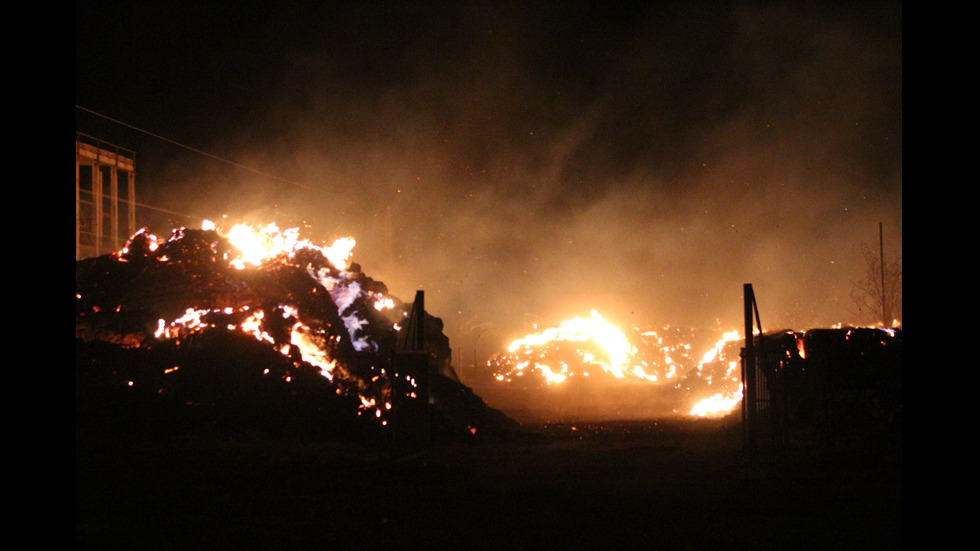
<point>658,484</point>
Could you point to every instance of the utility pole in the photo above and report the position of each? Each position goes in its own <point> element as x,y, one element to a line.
<point>881,263</point>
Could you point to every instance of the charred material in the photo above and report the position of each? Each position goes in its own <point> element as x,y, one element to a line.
<point>236,361</point>
<point>840,388</point>
<point>855,374</point>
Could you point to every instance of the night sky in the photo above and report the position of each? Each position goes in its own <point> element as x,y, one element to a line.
<point>526,162</point>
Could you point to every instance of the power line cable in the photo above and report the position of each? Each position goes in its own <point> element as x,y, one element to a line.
<point>167,211</point>
<point>200,152</point>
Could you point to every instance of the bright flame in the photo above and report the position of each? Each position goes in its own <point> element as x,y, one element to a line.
<point>718,405</point>
<point>664,358</point>
<point>715,352</point>
<point>258,245</point>
<point>726,399</point>
<point>266,245</point>
<point>311,350</point>
<point>340,252</point>
<point>617,358</point>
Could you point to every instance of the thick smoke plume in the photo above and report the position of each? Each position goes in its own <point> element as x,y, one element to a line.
<point>528,164</point>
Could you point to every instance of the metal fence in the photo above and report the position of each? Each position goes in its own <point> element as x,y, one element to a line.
<point>837,390</point>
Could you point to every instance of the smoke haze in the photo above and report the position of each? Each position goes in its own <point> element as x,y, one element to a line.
<point>526,164</point>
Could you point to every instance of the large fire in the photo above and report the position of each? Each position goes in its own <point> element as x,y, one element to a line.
<point>595,349</point>
<point>596,344</point>
<point>319,318</point>
<point>583,350</point>
<point>306,339</point>
<point>610,351</point>
<point>260,244</point>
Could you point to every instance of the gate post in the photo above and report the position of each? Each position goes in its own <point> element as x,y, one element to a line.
<point>748,376</point>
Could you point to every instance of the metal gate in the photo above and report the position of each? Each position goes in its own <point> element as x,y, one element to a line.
<point>766,365</point>
<point>836,389</point>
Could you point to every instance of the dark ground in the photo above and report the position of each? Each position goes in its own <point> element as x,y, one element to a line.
<point>659,484</point>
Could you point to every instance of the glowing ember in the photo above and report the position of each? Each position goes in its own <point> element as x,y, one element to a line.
<point>265,320</point>
<point>361,305</point>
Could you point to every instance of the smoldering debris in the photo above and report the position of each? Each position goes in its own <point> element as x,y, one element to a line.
<point>170,333</point>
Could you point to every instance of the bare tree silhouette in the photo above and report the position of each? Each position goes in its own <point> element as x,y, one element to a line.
<point>878,295</point>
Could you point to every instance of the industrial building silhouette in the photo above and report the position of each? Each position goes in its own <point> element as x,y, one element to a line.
<point>105,196</point>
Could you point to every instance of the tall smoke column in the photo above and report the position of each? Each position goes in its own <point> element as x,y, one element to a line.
<point>538,161</point>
